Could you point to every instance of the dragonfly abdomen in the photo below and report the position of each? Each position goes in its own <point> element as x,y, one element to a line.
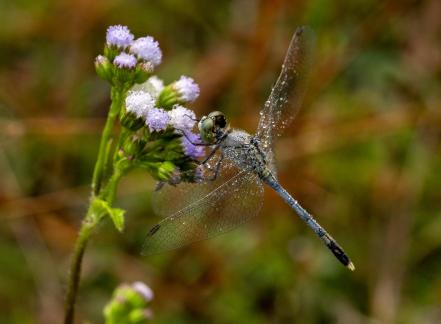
<point>331,243</point>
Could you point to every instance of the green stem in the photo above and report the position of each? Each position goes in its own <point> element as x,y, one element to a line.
<point>87,227</point>
<point>91,219</point>
<point>117,96</point>
<point>109,191</point>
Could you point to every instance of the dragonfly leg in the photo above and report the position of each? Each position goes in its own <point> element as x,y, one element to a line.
<point>217,169</point>
<point>188,139</point>
<point>209,156</point>
<point>193,119</point>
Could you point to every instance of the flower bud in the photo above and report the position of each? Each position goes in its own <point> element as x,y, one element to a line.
<point>167,98</point>
<point>130,121</point>
<point>143,71</point>
<point>165,171</point>
<point>129,304</point>
<point>145,291</point>
<point>182,91</point>
<point>140,315</point>
<point>132,146</point>
<point>103,68</point>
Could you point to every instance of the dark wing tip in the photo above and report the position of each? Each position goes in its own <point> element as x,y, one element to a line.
<point>154,229</point>
<point>147,248</point>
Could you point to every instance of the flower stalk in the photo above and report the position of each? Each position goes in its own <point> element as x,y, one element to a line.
<point>117,97</point>
<point>148,135</point>
<point>92,218</point>
<point>87,227</point>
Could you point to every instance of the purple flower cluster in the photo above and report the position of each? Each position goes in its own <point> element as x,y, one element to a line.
<point>139,103</point>
<point>187,89</point>
<point>182,118</point>
<point>144,49</point>
<point>128,52</point>
<point>147,49</point>
<point>119,36</point>
<point>157,119</point>
<point>191,150</point>
<point>155,85</point>
<point>125,61</point>
<point>142,104</point>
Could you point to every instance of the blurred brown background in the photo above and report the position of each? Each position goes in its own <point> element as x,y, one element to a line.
<point>363,155</point>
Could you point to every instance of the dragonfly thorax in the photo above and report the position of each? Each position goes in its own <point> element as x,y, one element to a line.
<point>244,151</point>
<point>212,127</point>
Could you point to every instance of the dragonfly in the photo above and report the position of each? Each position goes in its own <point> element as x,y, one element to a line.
<point>240,165</point>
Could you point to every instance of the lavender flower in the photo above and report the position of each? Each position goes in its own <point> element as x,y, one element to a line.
<point>187,88</point>
<point>144,290</point>
<point>193,151</point>
<point>125,60</point>
<point>147,49</point>
<point>119,36</point>
<point>139,103</point>
<point>155,85</point>
<point>182,118</point>
<point>157,119</point>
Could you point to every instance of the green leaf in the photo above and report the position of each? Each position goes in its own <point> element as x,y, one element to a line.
<point>117,216</point>
<point>102,208</point>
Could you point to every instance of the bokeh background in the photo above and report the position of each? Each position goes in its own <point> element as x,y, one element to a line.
<point>363,155</point>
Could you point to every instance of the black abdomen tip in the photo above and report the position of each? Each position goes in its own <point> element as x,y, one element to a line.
<point>340,255</point>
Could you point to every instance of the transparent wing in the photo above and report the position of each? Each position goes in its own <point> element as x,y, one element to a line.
<point>287,94</point>
<point>231,204</point>
<point>170,199</point>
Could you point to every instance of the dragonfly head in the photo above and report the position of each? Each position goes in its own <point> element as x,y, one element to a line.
<point>212,127</point>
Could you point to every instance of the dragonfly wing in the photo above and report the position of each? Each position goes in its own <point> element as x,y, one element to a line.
<point>170,199</point>
<point>223,209</point>
<point>288,92</point>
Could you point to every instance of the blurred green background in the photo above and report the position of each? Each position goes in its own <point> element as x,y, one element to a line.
<point>363,156</point>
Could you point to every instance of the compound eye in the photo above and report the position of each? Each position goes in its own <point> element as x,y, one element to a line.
<point>206,129</point>
<point>220,121</point>
<point>207,125</point>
